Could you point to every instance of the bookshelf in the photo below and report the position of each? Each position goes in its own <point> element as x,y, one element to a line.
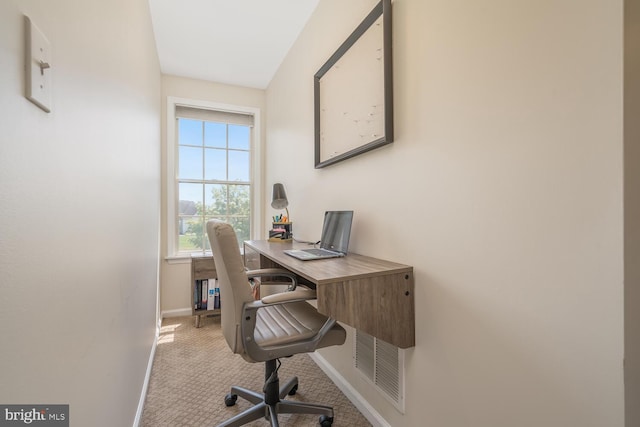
<point>202,268</point>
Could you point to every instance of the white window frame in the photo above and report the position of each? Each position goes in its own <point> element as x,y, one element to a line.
<point>255,177</point>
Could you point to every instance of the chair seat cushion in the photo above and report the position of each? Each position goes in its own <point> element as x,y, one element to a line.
<point>294,322</point>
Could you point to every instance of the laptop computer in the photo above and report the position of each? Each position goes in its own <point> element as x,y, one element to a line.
<point>334,242</point>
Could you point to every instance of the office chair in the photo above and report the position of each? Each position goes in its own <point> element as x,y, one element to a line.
<point>265,330</point>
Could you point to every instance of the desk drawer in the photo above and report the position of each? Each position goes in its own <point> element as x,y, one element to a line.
<point>203,268</point>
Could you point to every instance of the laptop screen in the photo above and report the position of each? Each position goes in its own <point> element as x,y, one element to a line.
<point>336,230</point>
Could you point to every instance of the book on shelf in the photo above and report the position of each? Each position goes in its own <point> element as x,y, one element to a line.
<point>204,291</point>
<point>196,295</point>
<point>216,296</point>
<point>206,294</point>
<point>211,294</point>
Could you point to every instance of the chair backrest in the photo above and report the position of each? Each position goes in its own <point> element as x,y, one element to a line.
<point>232,278</point>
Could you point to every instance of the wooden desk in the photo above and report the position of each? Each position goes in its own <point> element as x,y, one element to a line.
<point>369,294</point>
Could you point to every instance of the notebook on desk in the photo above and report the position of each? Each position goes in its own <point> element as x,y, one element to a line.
<point>334,241</point>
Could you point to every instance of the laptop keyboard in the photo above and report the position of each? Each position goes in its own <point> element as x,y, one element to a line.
<point>317,252</point>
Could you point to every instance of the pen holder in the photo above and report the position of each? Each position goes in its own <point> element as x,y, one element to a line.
<point>281,232</point>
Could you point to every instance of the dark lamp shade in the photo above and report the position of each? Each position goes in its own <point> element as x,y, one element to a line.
<point>279,199</point>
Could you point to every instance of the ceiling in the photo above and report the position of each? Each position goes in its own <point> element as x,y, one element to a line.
<point>239,42</point>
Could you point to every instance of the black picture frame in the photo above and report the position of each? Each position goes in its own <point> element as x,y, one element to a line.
<point>353,105</point>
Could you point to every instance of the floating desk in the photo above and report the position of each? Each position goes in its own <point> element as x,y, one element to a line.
<point>369,294</point>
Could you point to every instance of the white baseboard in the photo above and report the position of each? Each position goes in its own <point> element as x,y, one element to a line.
<point>147,377</point>
<point>176,313</point>
<point>351,393</point>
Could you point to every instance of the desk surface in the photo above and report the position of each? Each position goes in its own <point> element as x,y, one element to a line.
<point>370,294</point>
<point>322,271</point>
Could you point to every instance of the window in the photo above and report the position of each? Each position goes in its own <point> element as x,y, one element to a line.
<point>212,163</point>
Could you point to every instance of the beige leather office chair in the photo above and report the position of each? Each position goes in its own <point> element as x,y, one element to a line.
<point>265,330</point>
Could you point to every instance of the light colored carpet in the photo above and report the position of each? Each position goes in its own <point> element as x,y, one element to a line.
<point>194,369</point>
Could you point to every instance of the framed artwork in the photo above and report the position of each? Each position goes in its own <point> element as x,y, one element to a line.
<point>353,92</point>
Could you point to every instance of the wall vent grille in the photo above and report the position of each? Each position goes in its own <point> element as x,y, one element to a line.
<point>382,364</point>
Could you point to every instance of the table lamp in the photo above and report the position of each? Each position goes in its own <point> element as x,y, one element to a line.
<point>281,225</point>
<point>279,198</point>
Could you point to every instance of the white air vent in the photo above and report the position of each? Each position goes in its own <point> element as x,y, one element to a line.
<point>383,365</point>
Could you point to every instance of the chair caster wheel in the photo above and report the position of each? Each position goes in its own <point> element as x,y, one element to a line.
<point>326,421</point>
<point>293,391</point>
<point>230,399</point>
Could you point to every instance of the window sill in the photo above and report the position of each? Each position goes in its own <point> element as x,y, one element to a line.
<point>185,258</point>
<point>178,259</point>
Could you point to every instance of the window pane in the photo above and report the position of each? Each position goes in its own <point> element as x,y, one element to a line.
<point>215,134</point>
<point>191,239</point>
<point>207,245</point>
<point>239,203</point>
<point>241,227</point>
<point>190,227</point>
<point>215,166</point>
<point>190,196</point>
<point>190,132</point>
<point>239,137</point>
<point>216,199</point>
<point>190,163</point>
<point>239,166</point>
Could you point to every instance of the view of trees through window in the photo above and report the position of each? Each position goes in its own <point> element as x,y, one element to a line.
<point>213,180</point>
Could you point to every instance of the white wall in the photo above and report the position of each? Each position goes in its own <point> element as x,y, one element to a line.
<point>79,210</point>
<point>175,274</point>
<point>503,189</point>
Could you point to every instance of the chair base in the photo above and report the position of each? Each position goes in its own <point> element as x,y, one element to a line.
<point>270,403</point>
